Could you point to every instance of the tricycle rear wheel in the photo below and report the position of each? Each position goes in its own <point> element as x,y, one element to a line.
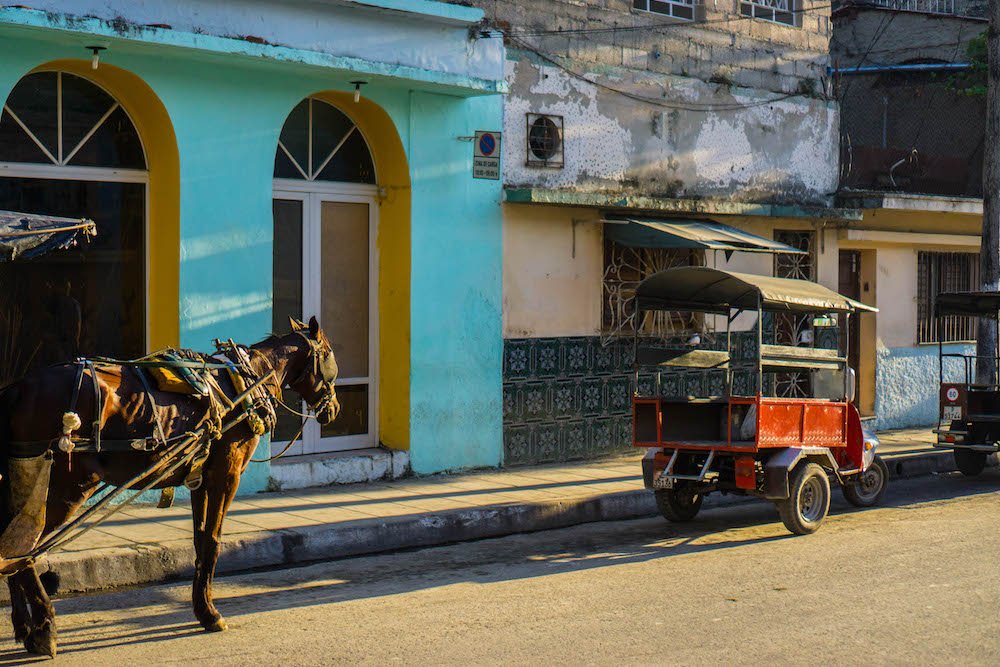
<point>679,504</point>
<point>866,489</point>
<point>969,462</point>
<point>808,501</point>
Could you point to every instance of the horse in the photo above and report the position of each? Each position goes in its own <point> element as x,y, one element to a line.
<point>129,408</point>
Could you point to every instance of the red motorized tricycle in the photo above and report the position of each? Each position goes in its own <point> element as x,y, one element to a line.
<point>740,438</point>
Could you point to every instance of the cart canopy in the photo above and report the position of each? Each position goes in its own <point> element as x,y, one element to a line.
<point>703,289</point>
<point>967,303</point>
<point>24,236</point>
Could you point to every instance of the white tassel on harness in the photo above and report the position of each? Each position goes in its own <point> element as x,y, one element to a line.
<point>70,422</point>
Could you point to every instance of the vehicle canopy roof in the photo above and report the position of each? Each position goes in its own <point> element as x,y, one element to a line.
<point>704,289</point>
<point>967,303</point>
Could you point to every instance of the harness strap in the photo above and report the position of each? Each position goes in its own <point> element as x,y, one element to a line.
<point>152,403</point>
<point>98,405</point>
<point>76,387</point>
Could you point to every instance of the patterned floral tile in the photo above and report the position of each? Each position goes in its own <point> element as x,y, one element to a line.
<point>574,357</point>
<point>546,358</point>
<point>592,399</point>
<point>565,399</point>
<point>516,362</point>
<point>535,401</point>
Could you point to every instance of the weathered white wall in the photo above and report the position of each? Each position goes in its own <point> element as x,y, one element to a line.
<point>436,43</point>
<point>549,289</point>
<point>785,151</point>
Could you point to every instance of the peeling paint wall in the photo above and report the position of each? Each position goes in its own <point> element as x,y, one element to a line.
<point>783,151</point>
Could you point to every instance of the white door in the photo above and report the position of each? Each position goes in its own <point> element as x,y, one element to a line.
<point>325,265</point>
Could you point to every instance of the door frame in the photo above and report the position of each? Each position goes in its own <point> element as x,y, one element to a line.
<point>312,194</point>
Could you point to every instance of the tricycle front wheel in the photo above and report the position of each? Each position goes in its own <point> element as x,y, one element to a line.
<point>867,488</point>
<point>679,504</point>
<point>808,500</point>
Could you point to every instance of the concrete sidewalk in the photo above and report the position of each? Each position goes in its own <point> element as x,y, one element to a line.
<point>145,544</point>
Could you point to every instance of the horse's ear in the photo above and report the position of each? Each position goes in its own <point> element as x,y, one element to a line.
<point>313,327</point>
<point>295,324</point>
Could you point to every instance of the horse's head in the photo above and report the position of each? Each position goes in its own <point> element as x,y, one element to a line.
<point>315,382</point>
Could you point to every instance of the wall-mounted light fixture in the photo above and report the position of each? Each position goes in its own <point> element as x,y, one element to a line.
<point>96,57</point>
<point>357,90</point>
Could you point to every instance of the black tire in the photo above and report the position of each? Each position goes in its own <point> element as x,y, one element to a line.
<point>680,504</point>
<point>808,502</point>
<point>867,489</point>
<point>970,462</point>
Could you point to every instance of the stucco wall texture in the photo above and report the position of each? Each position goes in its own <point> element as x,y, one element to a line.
<point>906,383</point>
<point>782,151</point>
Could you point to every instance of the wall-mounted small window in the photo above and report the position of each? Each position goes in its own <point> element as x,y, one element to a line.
<point>778,11</point>
<point>678,9</point>
<point>545,140</point>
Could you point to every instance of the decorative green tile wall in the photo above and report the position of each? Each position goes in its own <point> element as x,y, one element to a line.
<point>570,398</point>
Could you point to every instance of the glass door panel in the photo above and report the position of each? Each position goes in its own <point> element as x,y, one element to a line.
<point>324,266</point>
<point>286,276</point>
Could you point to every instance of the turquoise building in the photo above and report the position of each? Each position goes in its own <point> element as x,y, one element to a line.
<point>246,161</point>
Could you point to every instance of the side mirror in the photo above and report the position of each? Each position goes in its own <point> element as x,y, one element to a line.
<point>852,384</point>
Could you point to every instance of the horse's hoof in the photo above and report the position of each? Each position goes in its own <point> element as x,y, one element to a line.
<point>20,634</point>
<point>216,626</point>
<point>41,641</point>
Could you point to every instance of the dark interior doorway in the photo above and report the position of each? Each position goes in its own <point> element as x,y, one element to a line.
<point>849,284</point>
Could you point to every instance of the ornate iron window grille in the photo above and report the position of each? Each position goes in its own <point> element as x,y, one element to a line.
<point>624,269</point>
<point>788,329</point>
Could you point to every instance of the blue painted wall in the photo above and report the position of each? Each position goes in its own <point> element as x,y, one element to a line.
<point>456,346</point>
<point>906,384</point>
<point>227,113</point>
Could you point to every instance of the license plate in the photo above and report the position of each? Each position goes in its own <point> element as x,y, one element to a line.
<point>952,412</point>
<point>663,482</point>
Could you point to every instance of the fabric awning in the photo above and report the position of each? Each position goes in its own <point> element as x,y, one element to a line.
<point>701,288</point>
<point>637,232</point>
<point>24,236</point>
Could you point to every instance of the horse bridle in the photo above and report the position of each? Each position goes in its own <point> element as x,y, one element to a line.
<point>326,384</point>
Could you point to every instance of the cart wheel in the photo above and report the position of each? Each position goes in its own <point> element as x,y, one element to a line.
<point>678,505</point>
<point>970,462</point>
<point>809,500</point>
<point>867,489</point>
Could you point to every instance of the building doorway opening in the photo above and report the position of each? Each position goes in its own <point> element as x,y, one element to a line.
<point>325,264</point>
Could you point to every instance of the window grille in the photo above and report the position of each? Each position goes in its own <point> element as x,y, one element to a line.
<point>944,272</point>
<point>624,269</point>
<point>678,9</point>
<point>924,6</point>
<point>778,11</point>
<point>788,329</point>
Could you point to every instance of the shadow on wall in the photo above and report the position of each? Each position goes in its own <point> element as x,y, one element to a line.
<point>906,383</point>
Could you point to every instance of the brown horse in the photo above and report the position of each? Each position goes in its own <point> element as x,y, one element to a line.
<point>31,410</point>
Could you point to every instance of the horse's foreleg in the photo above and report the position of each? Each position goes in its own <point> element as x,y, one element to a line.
<point>20,614</point>
<point>211,508</point>
<point>41,636</point>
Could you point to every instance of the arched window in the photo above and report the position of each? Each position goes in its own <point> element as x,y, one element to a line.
<point>320,143</point>
<point>69,149</point>
<point>61,119</point>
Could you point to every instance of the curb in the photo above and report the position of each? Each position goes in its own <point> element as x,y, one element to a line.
<point>143,564</point>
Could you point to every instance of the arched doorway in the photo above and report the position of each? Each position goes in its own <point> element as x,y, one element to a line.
<point>68,148</point>
<point>325,261</point>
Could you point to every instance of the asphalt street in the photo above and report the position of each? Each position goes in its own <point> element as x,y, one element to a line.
<point>914,582</point>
